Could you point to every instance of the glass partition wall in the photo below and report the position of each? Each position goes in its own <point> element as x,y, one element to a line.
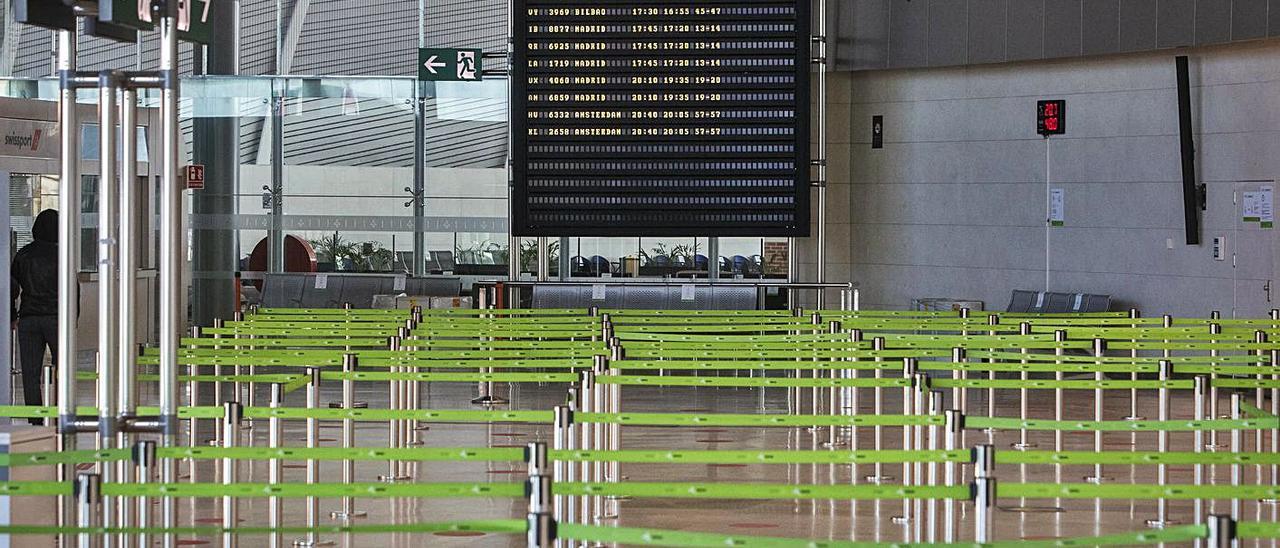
<point>326,170</point>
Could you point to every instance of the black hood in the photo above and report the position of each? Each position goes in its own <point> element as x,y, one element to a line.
<point>45,229</point>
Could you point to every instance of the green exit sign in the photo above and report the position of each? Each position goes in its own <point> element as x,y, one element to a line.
<point>193,17</point>
<point>441,64</point>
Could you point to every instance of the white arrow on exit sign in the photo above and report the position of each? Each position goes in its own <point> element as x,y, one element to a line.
<point>432,65</point>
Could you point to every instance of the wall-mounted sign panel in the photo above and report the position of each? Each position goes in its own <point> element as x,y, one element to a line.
<point>653,118</point>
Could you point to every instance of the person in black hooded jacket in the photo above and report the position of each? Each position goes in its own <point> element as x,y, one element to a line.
<point>34,302</point>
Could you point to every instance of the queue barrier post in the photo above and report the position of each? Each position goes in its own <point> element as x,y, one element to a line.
<point>1221,532</point>
<point>541,529</point>
<point>1236,442</point>
<point>312,538</point>
<point>984,492</point>
<point>1162,445</point>
<point>275,469</point>
<point>144,461</point>
<point>232,414</point>
<point>350,362</point>
<point>954,425</point>
<point>1199,389</point>
<point>88,496</point>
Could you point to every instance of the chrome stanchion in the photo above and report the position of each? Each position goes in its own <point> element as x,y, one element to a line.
<point>1221,532</point>
<point>984,492</point>
<point>144,460</point>
<point>275,469</point>
<point>954,425</point>
<point>1236,441</point>
<point>313,466</point>
<point>909,368</point>
<point>878,345</point>
<point>1214,329</point>
<point>561,435</point>
<point>393,426</point>
<point>834,404</point>
<point>350,363</point>
<point>992,321</point>
<point>541,530</point>
<point>1024,329</point>
<point>851,402</point>
<point>614,429</point>
<point>1099,350</point>
<point>46,385</point>
<point>960,357</point>
<point>88,496</point>
<point>1133,375</point>
<point>572,470</point>
<point>1201,384</point>
<point>1259,394</point>
<point>231,415</point>
<point>599,434</point>
<point>1275,410</point>
<point>935,409</point>
<point>1059,337</point>
<point>1162,446</point>
<point>193,400</point>
<point>587,394</point>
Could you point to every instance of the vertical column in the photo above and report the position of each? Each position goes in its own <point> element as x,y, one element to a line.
<point>68,260</point>
<point>108,213</point>
<point>172,253</point>
<point>419,178</point>
<point>127,249</point>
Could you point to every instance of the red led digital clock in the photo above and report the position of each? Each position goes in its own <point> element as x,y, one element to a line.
<point>1051,117</point>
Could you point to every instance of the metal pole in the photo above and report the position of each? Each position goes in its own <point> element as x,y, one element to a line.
<point>127,345</point>
<point>1024,329</point>
<point>231,415</point>
<point>561,434</point>
<point>172,254</point>
<point>1200,386</point>
<point>1237,439</point>
<point>313,466</point>
<point>68,260</point>
<point>108,201</point>
<point>820,38</point>
<point>878,345</point>
<point>541,531</point>
<point>275,470</point>
<point>144,458</point>
<point>419,176</point>
<point>1099,349</point>
<point>1162,444</point>
<point>88,491</point>
<point>984,490</point>
<point>350,362</point>
<point>954,425</point>
<point>1221,532</point>
<point>1214,329</point>
<point>275,236</point>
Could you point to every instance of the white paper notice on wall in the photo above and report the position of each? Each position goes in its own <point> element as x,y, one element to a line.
<point>322,281</point>
<point>1057,207</point>
<point>686,292</point>
<point>398,284</point>
<point>1266,207</point>
<point>597,292</point>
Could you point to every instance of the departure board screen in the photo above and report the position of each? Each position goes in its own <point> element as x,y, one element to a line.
<point>660,118</point>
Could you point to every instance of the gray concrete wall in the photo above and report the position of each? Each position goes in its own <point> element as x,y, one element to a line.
<point>954,205</point>
<point>875,34</point>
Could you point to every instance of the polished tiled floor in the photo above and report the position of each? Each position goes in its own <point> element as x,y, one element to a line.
<point>841,520</point>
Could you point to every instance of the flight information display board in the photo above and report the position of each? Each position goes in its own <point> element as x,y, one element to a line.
<point>661,118</point>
